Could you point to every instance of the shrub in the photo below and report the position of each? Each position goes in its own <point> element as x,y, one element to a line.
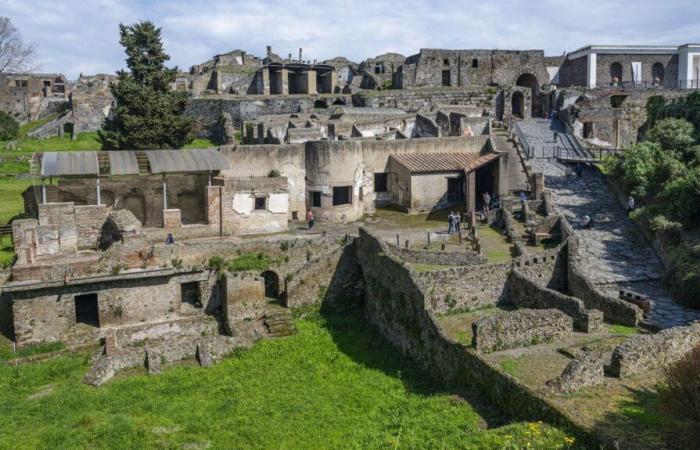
<point>684,276</point>
<point>645,167</point>
<point>217,263</point>
<point>681,197</point>
<point>668,232</point>
<point>250,261</point>
<point>680,397</point>
<point>672,134</point>
<point>9,128</point>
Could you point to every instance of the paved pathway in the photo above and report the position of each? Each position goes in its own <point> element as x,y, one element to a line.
<point>615,253</point>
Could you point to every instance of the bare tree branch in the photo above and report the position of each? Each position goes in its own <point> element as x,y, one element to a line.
<point>15,54</point>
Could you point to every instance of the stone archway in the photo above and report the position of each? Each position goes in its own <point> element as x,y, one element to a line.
<point>517,105</point>
<point>615,73</point>
<point>528,80</point>
<point>272,284</point>
<point>657,74</point>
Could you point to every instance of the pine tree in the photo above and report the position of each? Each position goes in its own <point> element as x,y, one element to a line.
<point>148,115</point>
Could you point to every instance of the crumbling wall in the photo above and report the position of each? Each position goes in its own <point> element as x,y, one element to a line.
<point>520,328</point>
<point>642,353</point>
<point>463,288</point>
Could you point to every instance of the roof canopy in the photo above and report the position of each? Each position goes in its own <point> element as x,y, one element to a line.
<point>127,162</point>
<point>443,162</point>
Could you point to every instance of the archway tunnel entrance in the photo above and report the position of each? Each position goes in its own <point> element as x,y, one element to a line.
<point>528,80</point>
<point>517,104</point>
<point>272,284</point>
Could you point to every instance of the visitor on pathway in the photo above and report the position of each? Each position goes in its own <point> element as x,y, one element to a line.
<point>587,221</point>
<point>495,202</point>
<point>451,222</point>
<point>556,135</point>
<point>487,203</point>
<point>630,205</point>
<point>523,200</point>
<point>579,170</point>
<point>170,239</point>
<point>310,218</point>
<point>458,221</point>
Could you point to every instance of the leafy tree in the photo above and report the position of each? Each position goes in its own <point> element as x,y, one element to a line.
<point>645,168</point>
<point>676,135</point>
<point>9,128</point>
<point>681,197</point>
<point>148,115</point>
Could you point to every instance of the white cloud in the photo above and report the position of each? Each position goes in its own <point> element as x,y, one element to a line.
<point>82,36</point>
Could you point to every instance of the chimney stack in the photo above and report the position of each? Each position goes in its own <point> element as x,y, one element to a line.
<point>300,50</point>
<point>269,51</point>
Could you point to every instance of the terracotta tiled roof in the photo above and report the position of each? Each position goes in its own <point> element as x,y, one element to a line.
<point>442,162</point>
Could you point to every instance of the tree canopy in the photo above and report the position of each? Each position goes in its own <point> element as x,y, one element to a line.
<point>148,114</point>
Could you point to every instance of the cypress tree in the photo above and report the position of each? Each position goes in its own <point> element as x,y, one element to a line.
<point>148,115</point>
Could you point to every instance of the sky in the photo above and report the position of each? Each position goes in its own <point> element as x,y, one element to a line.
<point>82,36</point>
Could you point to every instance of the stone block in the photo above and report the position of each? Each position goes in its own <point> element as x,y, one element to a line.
<point>153,361</point>
<point>101,371</point>
<point>172,218</point>
<point>585,371</point>
<point>593,321</point>
<point>204,354</point>
<point>48,240</point>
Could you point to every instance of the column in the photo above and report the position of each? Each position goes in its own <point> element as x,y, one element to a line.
<point>285,81</point>
<point>266,81</point>
<point>99,198</point>
<point>591,70</point>
<point>311,82</point>
<point>334,80</point>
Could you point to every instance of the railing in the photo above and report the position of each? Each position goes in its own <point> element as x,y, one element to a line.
<point>573,140</point>
<point>592,155</point>
<point>689,84</point>
<point>521,137</point>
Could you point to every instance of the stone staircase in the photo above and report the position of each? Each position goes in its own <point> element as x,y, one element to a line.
<point>540,135</point>
<point>279,321</point>
<point>517,177</point>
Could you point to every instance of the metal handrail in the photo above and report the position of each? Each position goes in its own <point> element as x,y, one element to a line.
<point>522,139</point>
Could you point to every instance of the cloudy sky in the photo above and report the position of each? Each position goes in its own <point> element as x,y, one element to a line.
<point>74,36</point>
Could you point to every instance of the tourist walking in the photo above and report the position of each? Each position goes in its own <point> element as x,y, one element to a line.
<point>457,221</point>
<point>310,218</point>
<point>170,240</point>
<point>579,170</point>
<point>451,222</point>
<point>630,205</point>
<point>487,203</point>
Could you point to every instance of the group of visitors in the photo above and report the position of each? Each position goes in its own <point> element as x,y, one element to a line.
<point>454,221</point>
<point>491,203</point>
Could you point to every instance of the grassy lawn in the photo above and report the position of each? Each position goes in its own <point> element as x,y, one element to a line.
<point>494,245</point>
<point>10,205</point>
<point>334,385</point>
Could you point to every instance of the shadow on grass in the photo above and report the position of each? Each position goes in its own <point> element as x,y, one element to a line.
<point>637,418</point>
<point>358,340</point>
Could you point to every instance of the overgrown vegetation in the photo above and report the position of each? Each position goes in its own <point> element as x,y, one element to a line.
<point>6,352</point>
<point>336,384</point>
<point>9,128</point>
<point>250,261</point>
<point>663,175</point>
<point>680,396</point>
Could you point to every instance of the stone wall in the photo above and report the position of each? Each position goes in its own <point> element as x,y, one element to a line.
<point>642,353</point>
<point>521,328</point>
<point>463,288</point>
<point>442,258</point>
<point>45,312</point>
<point>425,99</point>
<point>395,305</point>
<point>614,309</point>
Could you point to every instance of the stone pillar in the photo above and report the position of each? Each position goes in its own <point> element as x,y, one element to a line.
<point>470,184</point>
<point>213,201</point>
<point>285,81</point>
<point>538,185</point>
<point>334,80</point>
<point>591,70</point>
<point>99,198</point>
<point>311,82</point>
<point>171,218</point>
<point>266,81</point>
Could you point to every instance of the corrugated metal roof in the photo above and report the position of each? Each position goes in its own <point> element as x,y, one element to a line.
<point>123,163</point>
<point>69,163</point>
<point>201,160</point>
<point>126,163</point>
<point>442,162</point>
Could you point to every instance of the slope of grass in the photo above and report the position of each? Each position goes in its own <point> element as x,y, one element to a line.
<point>11,202</point>
<point>334,385</point>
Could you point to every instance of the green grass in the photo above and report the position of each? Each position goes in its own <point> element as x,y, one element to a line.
<point>250,261</point>
<point>623,330</point>
<point>11,202</point>
<point>84,141</point>
<point>336,384</point>
<point>6,350</point>
<point>202,143</point>
<point>494,245</point>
